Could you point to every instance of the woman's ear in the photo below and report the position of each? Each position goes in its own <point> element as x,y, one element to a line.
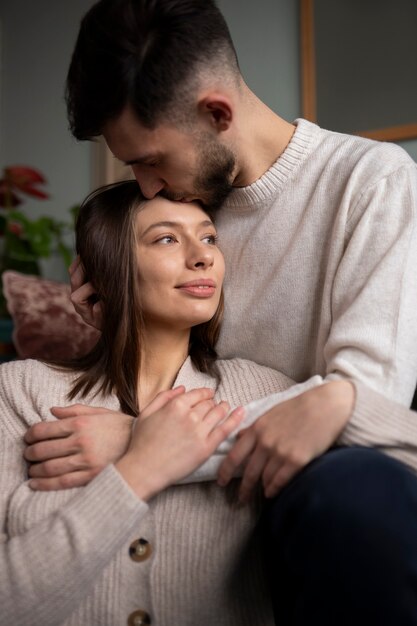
<point>217,110</point>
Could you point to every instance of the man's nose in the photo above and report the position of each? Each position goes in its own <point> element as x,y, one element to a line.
<point>150,183</point>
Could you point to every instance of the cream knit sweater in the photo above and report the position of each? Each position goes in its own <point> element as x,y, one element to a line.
<point>321,254</point>
<point>64,556</point>
<point>321,263</point>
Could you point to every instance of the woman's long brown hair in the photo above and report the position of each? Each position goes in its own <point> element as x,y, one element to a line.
<point>106,243</point>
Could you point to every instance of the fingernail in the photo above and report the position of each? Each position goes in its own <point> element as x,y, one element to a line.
<point>33,483</point>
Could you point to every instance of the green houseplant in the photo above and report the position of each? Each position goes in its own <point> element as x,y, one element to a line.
<point>25,241</point>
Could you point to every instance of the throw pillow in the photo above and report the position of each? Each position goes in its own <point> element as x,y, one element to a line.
<point>46,325</point>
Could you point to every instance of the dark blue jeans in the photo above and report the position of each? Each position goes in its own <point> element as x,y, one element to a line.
<point>340,543</point>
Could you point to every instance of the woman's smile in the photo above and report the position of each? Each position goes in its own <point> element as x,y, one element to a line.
<point>201,288</point>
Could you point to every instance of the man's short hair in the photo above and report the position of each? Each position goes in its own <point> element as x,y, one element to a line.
<point>145,53</point>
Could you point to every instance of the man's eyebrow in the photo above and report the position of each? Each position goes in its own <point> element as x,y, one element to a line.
<point>168,224</point>
<point>141,159</point>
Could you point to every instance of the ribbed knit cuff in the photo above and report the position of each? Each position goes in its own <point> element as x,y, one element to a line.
<point>110,495</point>
<point>378,421</point>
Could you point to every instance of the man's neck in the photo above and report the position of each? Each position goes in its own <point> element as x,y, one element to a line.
<point>263,138</point>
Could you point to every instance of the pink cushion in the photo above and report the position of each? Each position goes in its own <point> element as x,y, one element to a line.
<point>46,325</point>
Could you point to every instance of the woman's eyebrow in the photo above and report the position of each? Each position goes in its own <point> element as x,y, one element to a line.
<point>169,224</point>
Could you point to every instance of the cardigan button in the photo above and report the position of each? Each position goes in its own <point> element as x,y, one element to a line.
<point>140,550</point>
<point>138,618</point>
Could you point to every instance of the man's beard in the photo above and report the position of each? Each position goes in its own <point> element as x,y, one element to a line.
<point>215,164</point>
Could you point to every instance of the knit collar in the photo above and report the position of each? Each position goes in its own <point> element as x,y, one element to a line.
<point>191,378</point>
<point>274,179</point>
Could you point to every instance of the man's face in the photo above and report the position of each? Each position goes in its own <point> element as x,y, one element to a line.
<point>178,165</point>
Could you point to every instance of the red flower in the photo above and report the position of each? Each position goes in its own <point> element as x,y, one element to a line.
<point>15,228</point>
<point>20,178</point>
<point>7,197</point>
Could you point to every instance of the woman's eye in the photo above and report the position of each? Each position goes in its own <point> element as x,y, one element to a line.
<point>165,239</point>
<point>211,239</point>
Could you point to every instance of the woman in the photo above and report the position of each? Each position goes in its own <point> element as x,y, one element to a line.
<point>132,547</point>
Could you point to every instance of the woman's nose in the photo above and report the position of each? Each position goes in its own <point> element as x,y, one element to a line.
<point>201,256</point>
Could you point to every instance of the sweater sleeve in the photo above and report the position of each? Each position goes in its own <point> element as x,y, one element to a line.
<point>259,389</point>
<point>381,423</point>
<point>373,332</point>
<point>49,566</point>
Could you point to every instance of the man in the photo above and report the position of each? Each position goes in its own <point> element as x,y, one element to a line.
<point>320,239</point>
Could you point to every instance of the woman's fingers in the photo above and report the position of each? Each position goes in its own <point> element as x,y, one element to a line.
<point>181,401</point>
<point>160,400</point>
<point>195,396</point>
<point>222,426</point>
<point>200,411</point>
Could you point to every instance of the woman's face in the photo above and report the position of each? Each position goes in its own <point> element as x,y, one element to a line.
<point>181,269</point>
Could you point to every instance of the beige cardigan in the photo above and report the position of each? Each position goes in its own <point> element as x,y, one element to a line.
<point>94,556</point>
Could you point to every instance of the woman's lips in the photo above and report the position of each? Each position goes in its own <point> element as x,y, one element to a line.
<point>204,288</point>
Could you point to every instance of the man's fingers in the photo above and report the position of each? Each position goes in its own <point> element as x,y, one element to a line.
<point>252,473</point>
<point>67,481</point>
<point>281,478</point>
<point>50,449</point>
<point>57,467</point>
<point>48,430</point>
<point>82,294</point>
<point>237,455</point>
<point>97,315</point>
<point>272,467</point>
<point>76,272</point>
<point>77,409</point>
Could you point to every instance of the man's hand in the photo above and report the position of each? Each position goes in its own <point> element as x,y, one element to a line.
<point>69,452</point>
<point>288,437</point>
<point>82,296</point>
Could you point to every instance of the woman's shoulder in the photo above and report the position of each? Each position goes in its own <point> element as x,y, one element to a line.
<point>23,371</point>
<point>242,381</point>
<point>28,389</point>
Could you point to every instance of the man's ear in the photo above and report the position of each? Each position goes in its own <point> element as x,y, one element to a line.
<point>217,110</point>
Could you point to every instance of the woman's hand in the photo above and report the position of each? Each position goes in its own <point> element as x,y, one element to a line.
<point>175,436</point>
<point>81,296</point>
<point>69,452</point>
